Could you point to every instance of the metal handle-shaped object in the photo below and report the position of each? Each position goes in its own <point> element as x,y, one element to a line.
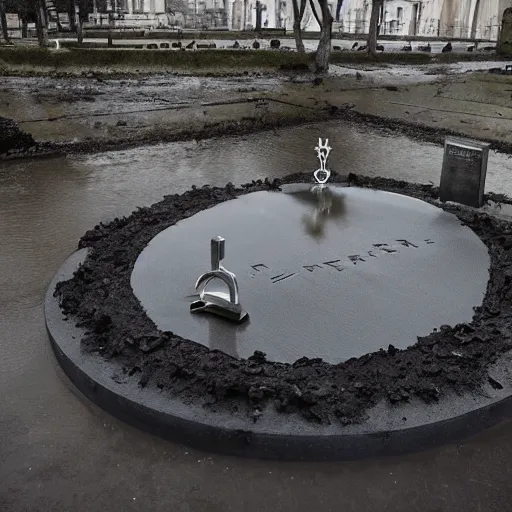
<point>216,302</point>
<point>217,250</point>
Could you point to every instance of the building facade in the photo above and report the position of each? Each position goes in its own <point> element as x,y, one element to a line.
<point>478,19</point>
<point>473,19</point>
<point>144,6</point>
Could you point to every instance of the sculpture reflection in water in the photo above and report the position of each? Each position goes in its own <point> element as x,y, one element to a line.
<point>327,204</point>
<point>219,303</point>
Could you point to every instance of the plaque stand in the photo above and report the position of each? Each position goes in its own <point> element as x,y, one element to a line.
<point>464,171</point>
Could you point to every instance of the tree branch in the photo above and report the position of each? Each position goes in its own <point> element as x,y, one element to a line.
<point>303,4</point>
<point>315,14</point>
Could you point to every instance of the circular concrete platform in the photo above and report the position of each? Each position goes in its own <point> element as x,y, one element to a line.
<point>447,386</point>
<point>387,429</point>
<point>378,269</point>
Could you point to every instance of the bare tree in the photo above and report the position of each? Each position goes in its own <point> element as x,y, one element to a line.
<point>41,24</point>
<point>315,14</point>
<point>298,13</point>
<point>81,6</point>
<point>373,29</point>
<point>475,20</point>
<point>323,50</point>
<point>71,10</point>
<point>3,22</point>
<point>338,9</point>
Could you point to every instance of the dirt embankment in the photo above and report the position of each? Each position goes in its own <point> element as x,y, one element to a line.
<point>29,61</point>
<point>95,113</point>
<point>13,141</point>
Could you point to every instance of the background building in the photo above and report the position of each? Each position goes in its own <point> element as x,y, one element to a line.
<point>472,19</point>
<point>478,19</point>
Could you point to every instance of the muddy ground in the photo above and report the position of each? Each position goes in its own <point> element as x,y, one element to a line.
<point>62,453</point>
<point>451,358</point>
<point>97,112</point>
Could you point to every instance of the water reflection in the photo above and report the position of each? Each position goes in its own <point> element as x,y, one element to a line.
<point>223,334</point>
<point>327,204</point>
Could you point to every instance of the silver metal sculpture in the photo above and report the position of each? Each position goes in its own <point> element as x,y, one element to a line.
<point>322,174</point>
<point>323,195</point>
<point>218,302</point>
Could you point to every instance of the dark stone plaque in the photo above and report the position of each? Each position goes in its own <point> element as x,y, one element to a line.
<point>464,170</point>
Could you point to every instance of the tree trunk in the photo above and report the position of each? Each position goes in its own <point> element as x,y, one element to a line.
<point>110,28</point>
<point>42,29</point>
<point>257,28</point>
<point>324,45</point>
<point>381,18</point>
<point>3,22</point>
<point>297,34</point>
<point>39,32</point>
<point>80,32</point>
<point>475,20</point>
<point>298,13</point>
<point>45,14</point>
<point>79,28</point>
<point>71,15</point>
<point>372,32</point>
<point>338,9</point>
<point>44,25</point>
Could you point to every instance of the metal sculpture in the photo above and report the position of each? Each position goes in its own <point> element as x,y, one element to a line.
<point>219,303</point>
<point>322,174</point>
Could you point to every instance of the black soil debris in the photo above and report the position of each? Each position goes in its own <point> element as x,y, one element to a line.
<point>452,358</point>
<point>13,140</point>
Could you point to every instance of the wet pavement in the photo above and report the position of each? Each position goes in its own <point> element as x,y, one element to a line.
<point>58,452</point>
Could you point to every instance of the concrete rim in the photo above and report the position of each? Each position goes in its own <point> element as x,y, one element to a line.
<point>383,433</point>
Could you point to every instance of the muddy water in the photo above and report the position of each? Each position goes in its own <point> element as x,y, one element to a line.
<point>46,205</point>
<point>78,189</point>
<point>50,438</point>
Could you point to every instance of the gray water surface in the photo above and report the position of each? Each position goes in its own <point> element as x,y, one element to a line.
<point>58,452</point>
<point>378,269</point>
<point>45,200</point>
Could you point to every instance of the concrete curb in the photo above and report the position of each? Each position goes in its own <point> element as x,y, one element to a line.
<point>275,435</point>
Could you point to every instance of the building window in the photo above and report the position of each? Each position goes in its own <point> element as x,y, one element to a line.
<point>399,14</point>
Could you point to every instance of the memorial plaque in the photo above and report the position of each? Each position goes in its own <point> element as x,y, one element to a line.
<point>464,170</point>
<point>385,270</point>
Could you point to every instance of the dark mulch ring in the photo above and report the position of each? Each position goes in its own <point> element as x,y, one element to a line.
<point>99,297</point>
<point>13,140</point>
